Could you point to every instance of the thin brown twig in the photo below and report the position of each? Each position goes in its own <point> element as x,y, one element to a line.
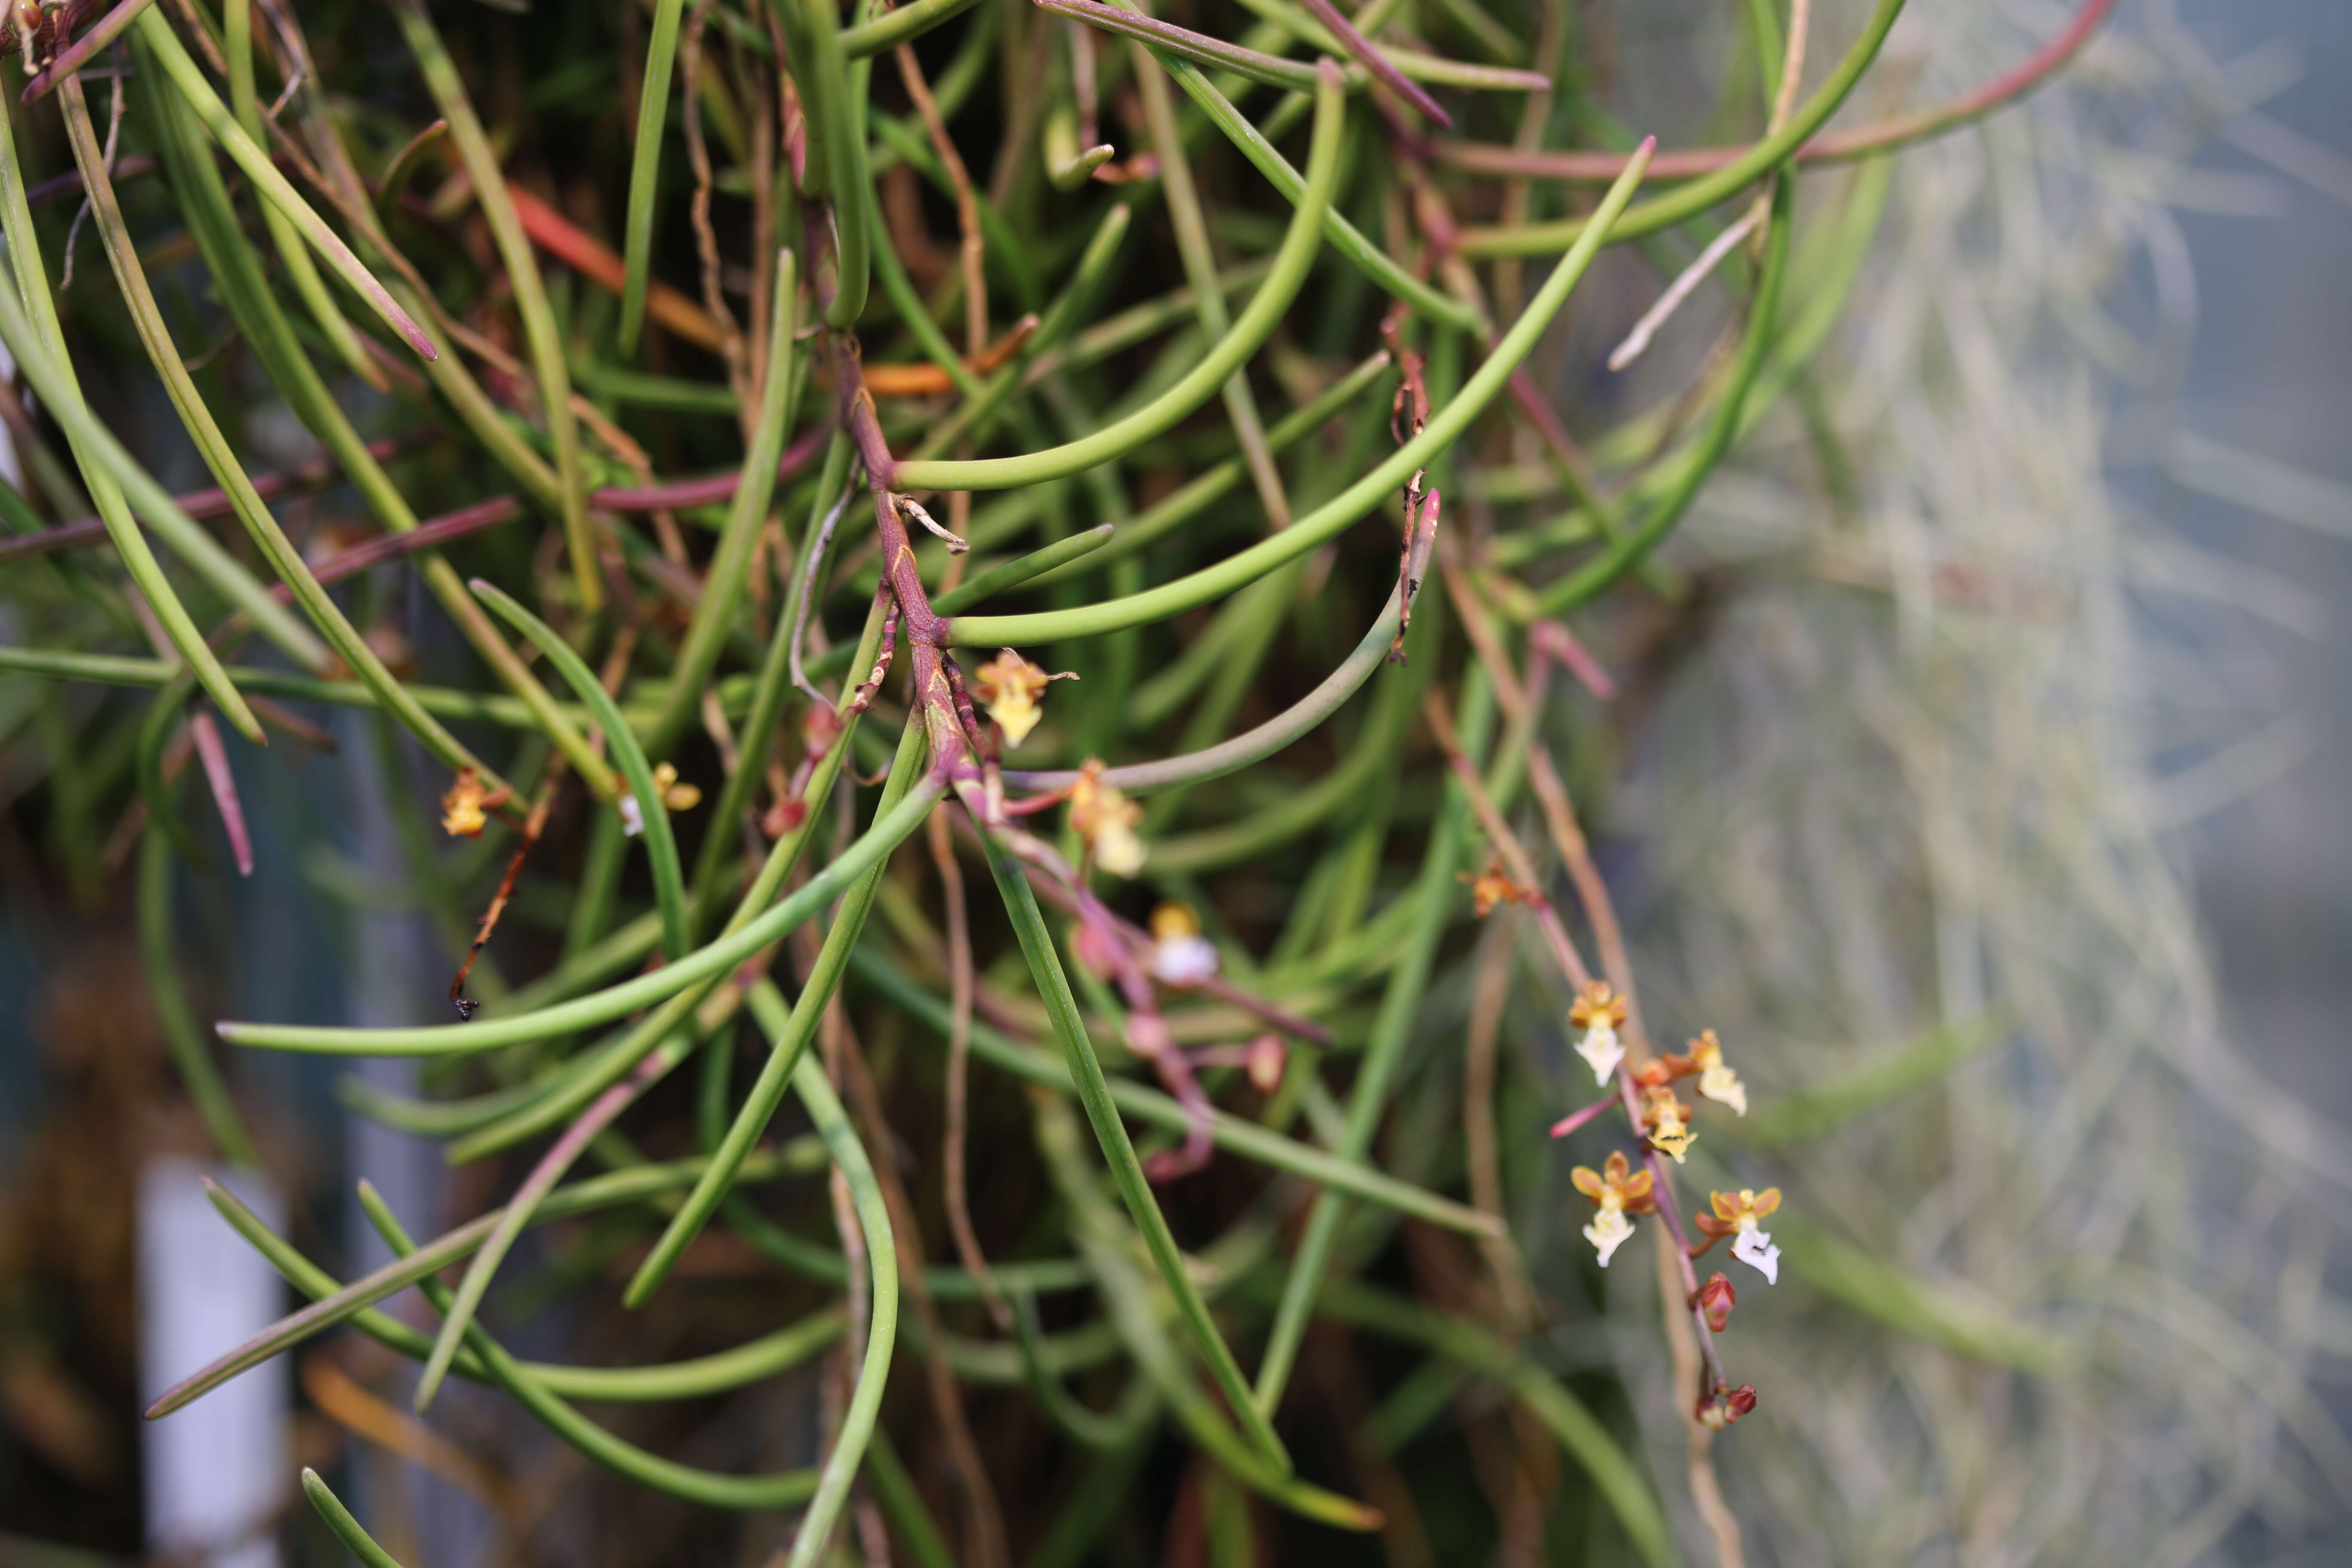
<point>1682,1352</point>
<point>1505,842</point>
<point>732,351</point>
<point>1490,996</point>
<point>527,837</point>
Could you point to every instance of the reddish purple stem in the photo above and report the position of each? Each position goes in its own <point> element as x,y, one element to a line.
<point>76,55</point>
<point>1576,1119</point>
<point>713,491</point>
<point>214,756</point>
<point>1369,54</point>
<point>1556,642</point>
<point>201,504</point>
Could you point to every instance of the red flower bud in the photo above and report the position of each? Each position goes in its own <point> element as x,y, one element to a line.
<point>1267,1057</point>
<point>1719,1297</point>
<point>1725,1406</point>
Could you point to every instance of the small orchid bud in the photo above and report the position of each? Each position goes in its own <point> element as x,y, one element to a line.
<point>1267,1061</point>
<point>1717,1298</point>
<point>1725,1406</point>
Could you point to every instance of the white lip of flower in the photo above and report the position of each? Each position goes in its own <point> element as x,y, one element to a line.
<point>1184,960</point>
<point>632,815</point>
<point>1720,1084</point>
<point>1608,1231</point>
<point>1755,1248</point>
<point>1119,851</point>
<point>1600,1050</point>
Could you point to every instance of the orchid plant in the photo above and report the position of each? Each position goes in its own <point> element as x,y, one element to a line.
<point>716,714</point>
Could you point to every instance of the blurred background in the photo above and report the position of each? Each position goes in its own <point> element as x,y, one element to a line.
<point>2102,355</point>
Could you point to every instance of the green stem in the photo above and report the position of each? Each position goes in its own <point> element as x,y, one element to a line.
<point>857,1421</point>
<point>1328,520</point>
<point>1370,259</point>
<point>1236,1136</point>
<point>785,1489</point>
<point>723,582</point>
<point>301,268</point>
<point>1614,1473</point>
<point>156,34</point>
<point>836,150</point>
<point>1689,201</point>
<point>653,813</point>
<point>644,168</point>
<point>35,339</point>
<point>1254,325</point>
<point>894,27</point>
<point>790,1041</point>
<point>332,1303</point>
<point>1118,1150</point>
<point>198,1075</point>
<point>1624,553</point>
<point>255,309</point>
<point>212,444</point>
<point>775,687</point>
<point>347,1528</point>
<point>618,1000</point>
<point>1157,520</point>
<point>1435,897</point>
<point>540,331</point>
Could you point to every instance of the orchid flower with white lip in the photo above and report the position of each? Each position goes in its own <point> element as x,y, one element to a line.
<point>673,796</point>
<point>1740,1215</point>
<point>1102,816</point>
<point>1610,1230</point>
<point>1717,1081</point>
<point>1598,1011</point>
<point>1668,1121</point>
<point>1181,955</point>
<point>1617,1190</point>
